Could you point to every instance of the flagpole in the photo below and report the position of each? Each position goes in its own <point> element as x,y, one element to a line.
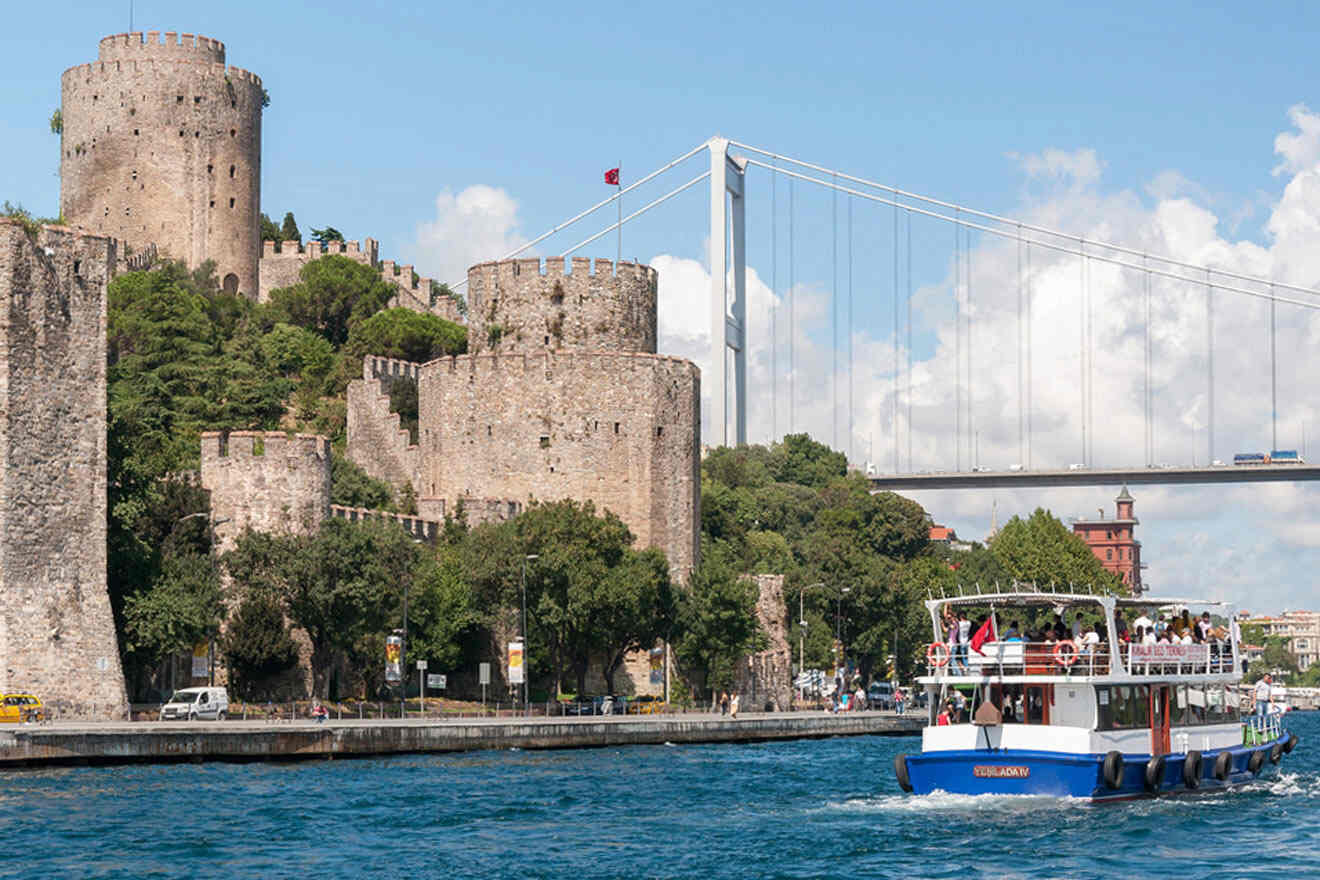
<point>618,200</point>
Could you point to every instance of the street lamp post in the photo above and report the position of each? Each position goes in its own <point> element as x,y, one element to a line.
<point>802,638</point>
<point>522,631</point>
<point>211,523</point>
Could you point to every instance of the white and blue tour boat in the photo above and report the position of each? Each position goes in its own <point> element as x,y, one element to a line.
<point>1100,717</point>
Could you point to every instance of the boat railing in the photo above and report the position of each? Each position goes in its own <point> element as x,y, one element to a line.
<point>1260,729</point>
<point>1162,659</point>
<point>1018,658</point>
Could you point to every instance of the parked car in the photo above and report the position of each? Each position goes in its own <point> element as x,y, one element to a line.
<point>15,708</point>
<point>196,704</point>
<point>647,705</point>
<point>880,695</point>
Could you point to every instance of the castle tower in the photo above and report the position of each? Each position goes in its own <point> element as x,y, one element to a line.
<point>514,306</point>
<point>162,144</point>
<point>57,633</point>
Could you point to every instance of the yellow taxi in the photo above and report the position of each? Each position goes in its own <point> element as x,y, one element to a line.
<point>22,707</point>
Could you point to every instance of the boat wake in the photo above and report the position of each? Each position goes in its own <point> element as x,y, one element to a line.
<point>940,801</point>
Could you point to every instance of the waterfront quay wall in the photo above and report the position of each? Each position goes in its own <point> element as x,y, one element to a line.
<point>241,741</point>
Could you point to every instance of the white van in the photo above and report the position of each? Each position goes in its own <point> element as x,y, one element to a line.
<point>195,704</point>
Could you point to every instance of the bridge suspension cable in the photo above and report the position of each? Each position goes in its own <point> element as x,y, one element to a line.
<point>1101,258</point>
<point>898,192</point>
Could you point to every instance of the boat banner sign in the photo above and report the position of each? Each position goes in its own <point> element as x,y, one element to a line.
<point>1161,652</point>
<point>1000,771</point>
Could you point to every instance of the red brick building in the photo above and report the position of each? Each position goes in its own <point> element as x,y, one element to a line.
<point>1112,541</point>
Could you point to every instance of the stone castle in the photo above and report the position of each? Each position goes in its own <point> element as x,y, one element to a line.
<point>562,395</point>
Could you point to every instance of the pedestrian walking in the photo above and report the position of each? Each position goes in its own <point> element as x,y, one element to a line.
<point>733,705</point>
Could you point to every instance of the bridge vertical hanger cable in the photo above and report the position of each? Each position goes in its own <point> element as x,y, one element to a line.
<point>972,437</point>
<point>1029,298</point>
<point>851,456</point>
<point>1021,449</point>
<point>894,408</point>
<point>774,307</point>
<point>1081,340</point>
<point>1210,362</point>
<point>1150,452</point>
<point>909,339</point>
<point>792,342</point>
<point>957,337</point>
<point>1274,397</point>
<point>834,313</point>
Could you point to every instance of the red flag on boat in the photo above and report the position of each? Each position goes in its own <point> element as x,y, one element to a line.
<point>612,177</point>
<point>985,634</point>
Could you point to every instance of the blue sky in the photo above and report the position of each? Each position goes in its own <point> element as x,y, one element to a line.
<point>450,133</point>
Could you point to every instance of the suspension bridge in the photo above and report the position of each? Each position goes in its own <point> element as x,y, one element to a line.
<point>1003,291</point>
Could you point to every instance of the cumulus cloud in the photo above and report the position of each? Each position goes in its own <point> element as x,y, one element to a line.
<point>480,223</point>
<point>1248,542</point>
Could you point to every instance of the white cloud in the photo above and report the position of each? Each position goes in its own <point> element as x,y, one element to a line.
<point>476,225</point>
<point>1300,149</point>
<point>1254,543</point>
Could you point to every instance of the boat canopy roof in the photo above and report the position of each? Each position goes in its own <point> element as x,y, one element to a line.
<point>1034,597</point>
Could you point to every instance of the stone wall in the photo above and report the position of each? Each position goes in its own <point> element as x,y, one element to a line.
<point>282,268</point>
<point>766,677</point>
<point>57,634</point>
<point>619,429</point>
<point>162,144</point>
<point>516,306</point>
<point>266,481</point>
<point>377,440</point>
<point>415,293</point>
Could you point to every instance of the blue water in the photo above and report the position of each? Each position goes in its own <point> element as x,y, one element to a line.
<point>827,808</point>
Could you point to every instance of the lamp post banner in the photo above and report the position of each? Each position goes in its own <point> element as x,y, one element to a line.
<point>517,674</point>
<point>201,659</point>
<point>393,659</point>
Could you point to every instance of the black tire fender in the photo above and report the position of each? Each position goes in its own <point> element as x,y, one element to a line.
<point>1290,744</point>
<point>1192,770</point>
<point>1256,761</point>
<point>1223,765</point>
<point>1113,769</point>
<point>901,773</point>
<point>1155,773</point>
<point>1276,752</point>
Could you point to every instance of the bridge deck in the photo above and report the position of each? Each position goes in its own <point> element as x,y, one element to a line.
<point>1098,477</point>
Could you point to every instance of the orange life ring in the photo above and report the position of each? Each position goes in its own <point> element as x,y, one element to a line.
<point>937,654</point>
<point>1070,658</point>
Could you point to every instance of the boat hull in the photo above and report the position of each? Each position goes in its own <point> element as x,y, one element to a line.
<point>1025,772</point>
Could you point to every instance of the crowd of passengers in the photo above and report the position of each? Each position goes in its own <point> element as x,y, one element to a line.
<point>1090,639</point>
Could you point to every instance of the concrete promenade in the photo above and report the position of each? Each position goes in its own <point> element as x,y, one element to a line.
<point>159,742</point>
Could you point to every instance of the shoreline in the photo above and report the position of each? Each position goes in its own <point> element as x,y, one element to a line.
<point>147,742</point>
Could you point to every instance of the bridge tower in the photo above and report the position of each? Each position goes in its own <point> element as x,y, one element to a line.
<point>728,317</point>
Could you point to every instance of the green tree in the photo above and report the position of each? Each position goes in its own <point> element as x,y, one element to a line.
<point>716,626</point>
<point>339,586</point>
<point>334,293</point>
<point>181,608</point>
<point>406,335</point>
<point>635,606</point>
<point>269,231</point>
<point>289,230</point>
<point>1041,550</point>
<point>351,486</point>
<point>257,646</point>
<point>57,122</point>
<point>327,235</point>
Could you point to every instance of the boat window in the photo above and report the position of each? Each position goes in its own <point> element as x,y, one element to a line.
<point>1196,705</point>
<point>1123,707</point>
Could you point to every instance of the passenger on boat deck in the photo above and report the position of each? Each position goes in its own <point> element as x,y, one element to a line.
<point>1060,628</point>
<point>1120,625</point>
<point>1089,641</point>
<point>1264,695</point>
<point>964,638</point>
<point>1144,622</point>
<point>1204,626</point>
<point>944,719</point>
<point>1161,625</point>
<point>1050,637</point>
<point>1148,638</point>
<point>960,707</point>
<point>1077,628</point>
<point>1012,634</point>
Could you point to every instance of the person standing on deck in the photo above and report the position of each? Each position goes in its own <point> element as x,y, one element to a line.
<point>1264,695</point>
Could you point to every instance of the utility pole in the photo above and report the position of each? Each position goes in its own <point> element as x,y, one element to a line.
<point>530,557</point>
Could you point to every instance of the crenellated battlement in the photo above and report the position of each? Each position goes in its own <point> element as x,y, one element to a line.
<point>547,362</point>
<point>383,368</point>
<point>98,71</point>
<point>534,305</point>
<point>424,529</point>
<point>283,268</point>
<point>273,446</point>
<point>153,45</point>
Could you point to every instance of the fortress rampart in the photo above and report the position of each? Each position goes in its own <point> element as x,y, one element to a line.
<point>377,440</point>
<point>281,268</point>
<point>57,634</point>
<point>520,306</point>
<point>425,530</point>
<point>162,144</point>
<point>620,429</point>
<point>266,481</point>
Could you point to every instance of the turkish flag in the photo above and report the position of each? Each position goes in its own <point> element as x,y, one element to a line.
<point>985,634</point>
<point>612,177</point>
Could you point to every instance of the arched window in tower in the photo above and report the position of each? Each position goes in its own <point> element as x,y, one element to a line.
<point>231,283</point>
<point>231,170</point>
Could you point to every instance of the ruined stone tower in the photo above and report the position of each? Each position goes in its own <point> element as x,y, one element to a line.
<point>162,144</point>
<point>57,635</point>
